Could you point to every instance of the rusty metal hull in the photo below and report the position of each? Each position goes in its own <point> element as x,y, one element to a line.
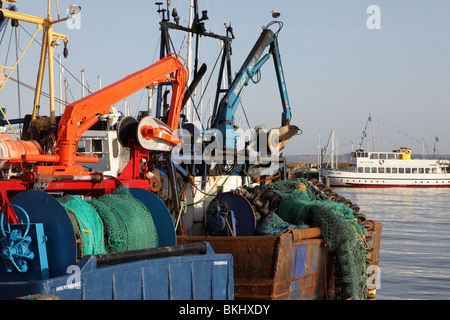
<point>294,265</point>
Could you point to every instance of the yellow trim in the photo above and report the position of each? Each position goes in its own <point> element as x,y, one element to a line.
<point>51,75</point>
<point>6,118</point>
<point>17,62</point>
<point>40,76</point>
<point>372,294</point>
<point>24,17</point>
<point>46,53</point>
<point>59,36</point>
<point>57,8</point>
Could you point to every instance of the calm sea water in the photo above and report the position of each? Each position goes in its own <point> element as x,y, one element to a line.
<point>415,241</point>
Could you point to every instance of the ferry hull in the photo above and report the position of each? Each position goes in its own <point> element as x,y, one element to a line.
<point>391,169</point>
<point>345,179</point>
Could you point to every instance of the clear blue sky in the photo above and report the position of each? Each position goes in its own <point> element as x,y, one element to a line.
<point>337,70</point>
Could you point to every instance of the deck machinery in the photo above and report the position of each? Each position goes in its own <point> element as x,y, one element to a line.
<point>48,246</point>
<point>43,238</point>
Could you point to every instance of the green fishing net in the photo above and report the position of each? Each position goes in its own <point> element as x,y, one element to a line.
<point>116,222</point>
<point>343,235</point>
<point>273,225</point>
<point>87,224</point>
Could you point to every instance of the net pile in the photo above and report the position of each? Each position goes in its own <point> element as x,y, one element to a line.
<point>113,223</point>
<point>272,224</point>
<point>343,235</point>
<point>87,224</point>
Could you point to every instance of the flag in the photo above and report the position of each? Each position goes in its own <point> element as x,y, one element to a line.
<point>437,139</point>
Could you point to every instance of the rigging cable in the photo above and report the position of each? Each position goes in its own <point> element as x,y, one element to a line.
<point>56,60</point>
<point>18,78</point>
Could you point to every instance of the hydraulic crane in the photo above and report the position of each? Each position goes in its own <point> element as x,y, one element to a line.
<point>78,117</point>
<point>82,114</point>
<point>224,115</point>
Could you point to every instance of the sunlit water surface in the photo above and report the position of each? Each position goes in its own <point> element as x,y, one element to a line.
<point>415,242</point>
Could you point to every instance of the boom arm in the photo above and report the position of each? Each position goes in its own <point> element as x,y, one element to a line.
<point>86,110</point>
<point>223,117</point>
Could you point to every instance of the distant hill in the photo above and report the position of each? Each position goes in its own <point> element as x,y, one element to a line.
<point>312,158</point>
<point>345,158</point>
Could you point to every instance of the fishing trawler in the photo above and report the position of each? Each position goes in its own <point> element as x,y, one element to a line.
<point>222,232</point>
<point>390,169</point>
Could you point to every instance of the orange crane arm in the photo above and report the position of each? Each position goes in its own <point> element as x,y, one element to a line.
<point>86,110</point>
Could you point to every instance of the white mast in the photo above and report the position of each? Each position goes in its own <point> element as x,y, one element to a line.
<point>332,148</point>
<point>82,83</point>
<point>66,90</point>
<point>319,157</point>
<point>337,152</point>
<point>60,85</point>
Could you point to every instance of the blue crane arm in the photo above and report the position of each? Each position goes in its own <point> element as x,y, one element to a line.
<point>223,116</point>
<point>286,115</point>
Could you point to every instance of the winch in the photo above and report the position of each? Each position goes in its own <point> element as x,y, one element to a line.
<point>70,212</point>
<point>230,214</point>
<point>32,254</point>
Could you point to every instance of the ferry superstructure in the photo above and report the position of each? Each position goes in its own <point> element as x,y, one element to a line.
<point>390,169</point>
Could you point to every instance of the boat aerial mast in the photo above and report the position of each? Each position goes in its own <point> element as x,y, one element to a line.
<point>364,132</point>
<point>50,40</point>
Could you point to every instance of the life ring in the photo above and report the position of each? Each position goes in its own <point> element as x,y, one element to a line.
<point>381,161</point>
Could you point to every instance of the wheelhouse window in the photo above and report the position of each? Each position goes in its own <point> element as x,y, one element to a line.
<point>91,146</point>
<point>97,147</point>
<point>360,154</point>
<point>81,146</point>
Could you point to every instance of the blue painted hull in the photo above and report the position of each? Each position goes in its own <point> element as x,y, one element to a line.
<point>188,277</point>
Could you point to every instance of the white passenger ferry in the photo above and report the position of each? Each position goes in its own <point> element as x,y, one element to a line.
<point>390,169</point>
